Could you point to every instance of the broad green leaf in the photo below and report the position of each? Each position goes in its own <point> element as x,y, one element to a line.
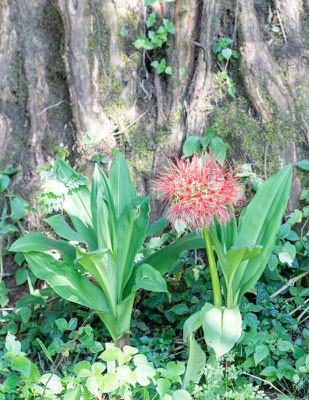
<point>61,324</point>
<point>148,278</point>
<point>66,281</point>
<point>111,354</point>
<point>105,224</point>
<point>217,147</point>
<point>191,146</point>
<point>13,346</point>
<point>122,189</point>
<point>18,208</point>
<point>99,180</point>
<point>22,365</point>
<point>227,53</point>
<point>119,322</point>
<point>260,353</point>
<point>157,226</point>
<point>163,386</point>
<point>131,232</point>
<point>21,276</point>
<point>221,326</point>
<point>216,48</point>
<point>180,309</point>
<point>25,314</point>
<point>258,224</point>
<point>73,394</point>
<point>82,365</point>
<point>63,229</point>
<point>181,395</point>
<point>162,259</point>
<point>303,164</point>
<point>52,382</point>
<point>100,264</point>
<point>4,182</point>
<point>110,382</point>
<point>192,324</point>
<point>9,228</point>
<point>196,363</point>
<point>38,242</point>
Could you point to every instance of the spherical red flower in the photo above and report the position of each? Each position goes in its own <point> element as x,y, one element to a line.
<point>199,190</point>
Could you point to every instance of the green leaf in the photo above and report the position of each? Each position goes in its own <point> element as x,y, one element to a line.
<point>227,53</point>
<point>191,145</point>
<point>269,204</point>
<point>181,395</point>
<point>163,386</point>
<point>131,232</point>
<point>303,164</point>
<point>148,278</point>
<point>19,258</point>
<point>162,259</point>
<point>4,182</point>
<point>73,394</point>
<point>216,48</point>
<point>180,309</point>
<point>45,351</point>
<point>25,314</point>
<point>196,363</point>
<point>192,324</point>
<point>39,242</point>
<point>18,208</point>
<point>101,266</point>
<point>52,382</point>
<point>149,2</point>
<point>61,324</point>
<point>72,324</point>
<point>157,226</point>
<point>9,228</point>
<point>217,147</point>
<point>63,229</point>
<point>285,346</point>
<point>269,371</point>
<point>111,354</point>
<point>21,276</point>
<point>121,186</point>
<point>82,365</point>
<point>22,365</point>
<point>168,70</point>
<point>110,382</point>
<point>261,352</point>
<point>67,282</point>
<point>221,326</point>
<point>284,231</point>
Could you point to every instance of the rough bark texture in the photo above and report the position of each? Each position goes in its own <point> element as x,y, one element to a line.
<point>68,76</point>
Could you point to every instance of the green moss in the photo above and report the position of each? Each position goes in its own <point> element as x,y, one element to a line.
<point>245,136</point>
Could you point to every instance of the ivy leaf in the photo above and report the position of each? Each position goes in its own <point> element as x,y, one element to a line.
<point>168,70</point>
<point>227,53</point>
<point>260,353</point>
<point>191,145</point>
<point>216,48</point>
<point>123,31</point>
<point>217,146</point>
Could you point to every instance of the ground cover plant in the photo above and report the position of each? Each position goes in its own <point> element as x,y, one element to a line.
<point>65,348</point>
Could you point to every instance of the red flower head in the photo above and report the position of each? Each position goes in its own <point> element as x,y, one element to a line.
<point>199,190</point>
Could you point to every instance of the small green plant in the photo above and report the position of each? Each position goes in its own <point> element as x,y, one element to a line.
<point>156,38</point>
<point>222,50</point>
<point>224,54</point>
<point>15,208</point>
<point>210,142</point>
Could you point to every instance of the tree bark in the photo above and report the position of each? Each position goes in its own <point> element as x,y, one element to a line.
<point>68,75</point>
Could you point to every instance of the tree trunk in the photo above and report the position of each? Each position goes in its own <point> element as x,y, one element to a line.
<point>69,73</point>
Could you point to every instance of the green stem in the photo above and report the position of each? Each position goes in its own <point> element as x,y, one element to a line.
<point>213,270</point>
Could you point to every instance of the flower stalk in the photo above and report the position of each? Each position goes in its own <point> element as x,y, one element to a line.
<point>213,269</point>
